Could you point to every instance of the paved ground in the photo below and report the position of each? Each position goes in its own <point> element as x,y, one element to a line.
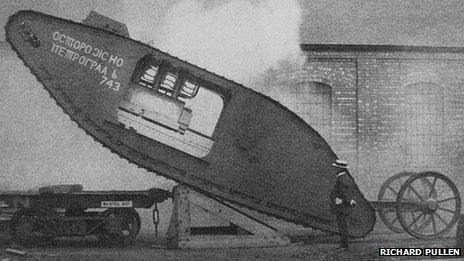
<point>304,248</point>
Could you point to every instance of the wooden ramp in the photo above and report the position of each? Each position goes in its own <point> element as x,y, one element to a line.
<point>199,221</point>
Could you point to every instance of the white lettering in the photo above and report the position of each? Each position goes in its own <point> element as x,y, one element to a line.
<point>76,45</point>
<point>104,80</point>
<point>88,49</point>
<point>442,251</point>
<point>62,38</point>
<point>69,54</point>
<point>83,45</point>
<point>61,51</point>
<point>104,70</point>
<point>95,52</point>
<point>116,204</point>
<point>75,57</point>
<point>119,62</point>
<point>87,61</point>
<point>116,86</point>
<point>94,64</point>
<point>110,84</point>
<point>400,251</point>
<point>113,59</point>
<point>99,67</point>
<point>56,36</point>
<point>55,47</point>
<point>104,56</point>
<point>82,60</point>
<point>69,41</point>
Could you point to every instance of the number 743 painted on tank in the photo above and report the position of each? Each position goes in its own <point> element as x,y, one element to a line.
<point>184,122</point>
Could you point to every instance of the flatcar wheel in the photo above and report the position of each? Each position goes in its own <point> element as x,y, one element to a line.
<point>33,226</point>
<point>433,204</point>
<point>389,192</point>
<point>121,226</point>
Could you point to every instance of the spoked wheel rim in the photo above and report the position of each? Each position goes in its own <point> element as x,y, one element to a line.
<point>434,205</point>
<point>389,192</point>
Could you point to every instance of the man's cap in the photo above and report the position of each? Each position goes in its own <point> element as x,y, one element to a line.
<point>340,164</point>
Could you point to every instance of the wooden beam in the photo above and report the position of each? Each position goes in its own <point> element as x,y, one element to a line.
<point>179,231</point>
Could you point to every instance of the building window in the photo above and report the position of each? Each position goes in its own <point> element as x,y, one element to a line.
<point>424,124</point>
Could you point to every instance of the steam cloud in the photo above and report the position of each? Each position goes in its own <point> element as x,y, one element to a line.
<point>238,39</point>
<point>42,146</point>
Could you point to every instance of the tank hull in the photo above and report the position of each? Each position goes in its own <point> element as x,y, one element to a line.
<point>255,152</point>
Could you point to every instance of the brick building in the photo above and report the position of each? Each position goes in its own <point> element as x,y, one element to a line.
<point>385,109</point>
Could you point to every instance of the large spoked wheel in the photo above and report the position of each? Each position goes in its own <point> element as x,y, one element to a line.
<point>428,205</point>
<point>121,226</point>
<point>33,226</point>
<point>389,193</point>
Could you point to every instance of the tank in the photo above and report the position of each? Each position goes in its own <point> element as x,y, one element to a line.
<point>183,122</point>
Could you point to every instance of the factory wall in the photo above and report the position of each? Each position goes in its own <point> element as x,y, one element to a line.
<point>383,111</point>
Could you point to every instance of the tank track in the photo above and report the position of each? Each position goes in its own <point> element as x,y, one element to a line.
<point>214,191</point>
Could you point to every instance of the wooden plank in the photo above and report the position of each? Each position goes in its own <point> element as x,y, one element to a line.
<point>179,233</point>
<point>227,213</point>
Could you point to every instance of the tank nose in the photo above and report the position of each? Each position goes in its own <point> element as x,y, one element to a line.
<point>20,28</point>
<point>28,35</point>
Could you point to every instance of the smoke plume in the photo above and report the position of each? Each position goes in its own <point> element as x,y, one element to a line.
<point>238,39</point>
<point>41,146</point>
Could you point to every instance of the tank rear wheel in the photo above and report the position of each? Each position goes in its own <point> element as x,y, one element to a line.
<point>121,226</point>
<point>434,205</point>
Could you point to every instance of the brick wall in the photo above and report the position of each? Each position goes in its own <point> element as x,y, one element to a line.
<point>389,111</point>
